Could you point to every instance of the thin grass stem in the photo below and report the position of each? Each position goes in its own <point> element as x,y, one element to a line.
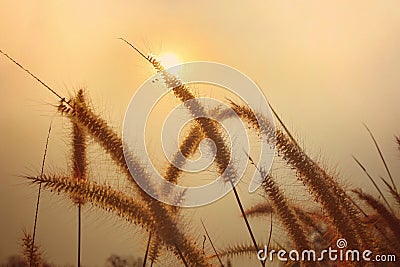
<point>38,197</point>
<point>382,158</point>
<point>212,244</point>
<point>373,182</point>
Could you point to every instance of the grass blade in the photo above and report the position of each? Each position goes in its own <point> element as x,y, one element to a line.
<point>382,158</point>
<point>372,180</point>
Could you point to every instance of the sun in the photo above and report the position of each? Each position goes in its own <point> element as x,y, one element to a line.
<point>169,60</point>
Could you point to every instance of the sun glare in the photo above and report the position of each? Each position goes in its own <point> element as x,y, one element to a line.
<point>169,60</point>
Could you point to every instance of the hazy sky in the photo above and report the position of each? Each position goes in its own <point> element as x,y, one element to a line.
<point>326,67</point>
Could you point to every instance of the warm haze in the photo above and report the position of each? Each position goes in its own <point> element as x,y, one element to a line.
<point>326,68</point>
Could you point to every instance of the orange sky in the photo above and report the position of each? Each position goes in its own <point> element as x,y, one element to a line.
<point>326,67</point>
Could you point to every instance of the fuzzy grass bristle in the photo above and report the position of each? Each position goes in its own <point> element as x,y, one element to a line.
<point>239,250</point>
<point>208,127</point>
<point>321,185</point>
<point>155,250</point>
<point>392,191</point>
<point>112,144</point>
<point>31,251</point>
<point>186,149</point>
<point>130,209</point>
<point>391,219</point>
<point>286,215</point>
<point>79,143</point>
<point>316,225</point>
<point>260,209</point>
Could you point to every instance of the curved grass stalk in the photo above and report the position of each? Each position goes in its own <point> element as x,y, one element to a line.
<point>103,134</point>
<point>189,146</point>
<point>321,185</point>
<point>130,209</point>
<point>112,144</point>
<point>209,128</point>
<point>186,149</point>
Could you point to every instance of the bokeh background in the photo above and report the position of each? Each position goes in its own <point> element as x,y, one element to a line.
<point>326,67</point>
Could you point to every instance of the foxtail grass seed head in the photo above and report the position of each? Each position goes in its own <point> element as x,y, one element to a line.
<point>339,217</point>
<point>31,251</point>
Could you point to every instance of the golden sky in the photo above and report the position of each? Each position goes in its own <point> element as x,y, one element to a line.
<point>326,67</point>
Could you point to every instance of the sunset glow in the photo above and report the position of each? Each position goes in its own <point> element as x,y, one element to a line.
<point>169,60</point>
